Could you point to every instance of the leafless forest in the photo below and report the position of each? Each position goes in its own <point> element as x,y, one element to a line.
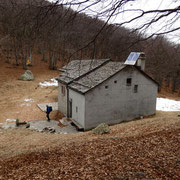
<point>58,33</point>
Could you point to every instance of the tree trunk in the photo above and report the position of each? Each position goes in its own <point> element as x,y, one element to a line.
<point>24,59</point>
<point>52,61</point>
<point>30,55</point>
<point>16,56</point>
<point>44,55</point>
<point>7,57</point>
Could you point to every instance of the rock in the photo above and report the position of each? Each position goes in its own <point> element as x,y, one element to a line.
<point>27,125</point>
<point>101,129</point>
<point>140,174</point>
<point>27,76</point>
<point>20,123</point>
<point>116,138</point>
<point>49,130</point>
<point>120,177</point>
<point>17,122</point>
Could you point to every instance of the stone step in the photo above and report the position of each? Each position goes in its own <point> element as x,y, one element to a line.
<point>79,127</point>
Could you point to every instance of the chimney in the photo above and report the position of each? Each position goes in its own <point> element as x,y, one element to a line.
<point>136,59</point>
<point>140,63</point>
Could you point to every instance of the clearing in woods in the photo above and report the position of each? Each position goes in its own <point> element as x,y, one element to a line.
<point>14,92</point>
<point>147,148</point>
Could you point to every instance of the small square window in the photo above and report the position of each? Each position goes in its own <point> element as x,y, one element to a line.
<point>128,81</point>
<point>115,81</point>
<point>106,87</point>
<point>135,88</point>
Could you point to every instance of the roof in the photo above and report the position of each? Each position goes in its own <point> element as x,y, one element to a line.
<point>96,77</point>
<point>84,75</point>
<point>78,68</point>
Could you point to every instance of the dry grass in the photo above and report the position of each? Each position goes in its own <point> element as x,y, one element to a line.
<point>139,149</point>
<point>161,121</point>
<point>149,145</point>
<point>13,92</point>
<point>17,141</point>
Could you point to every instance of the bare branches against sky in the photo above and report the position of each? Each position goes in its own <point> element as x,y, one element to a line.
<point>148,17</point>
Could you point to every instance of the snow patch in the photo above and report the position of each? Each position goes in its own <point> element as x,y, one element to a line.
<point>52,82</point>
<point>28,100</point>
<point>164,104</point>
<point>27,104</point>
<point>10,120</point>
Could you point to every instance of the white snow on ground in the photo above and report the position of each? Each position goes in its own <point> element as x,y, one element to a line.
<point>28,100</point>
<point>52,82</point>
<point>10,120</point>
<point>164,104</point>
<point>27,104</point>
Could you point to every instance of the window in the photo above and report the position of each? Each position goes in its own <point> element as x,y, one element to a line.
<point>135,88</point>
<point>76,109</point>
<point>115,81</point>
<point>63,91</point>
<point>106,87</point>
<point>128,82</point>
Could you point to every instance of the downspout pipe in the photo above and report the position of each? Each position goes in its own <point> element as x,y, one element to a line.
<point>67,100</point>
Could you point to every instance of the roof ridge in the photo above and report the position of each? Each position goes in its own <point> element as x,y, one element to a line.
<point>116,70</point>
<point>108,60</point>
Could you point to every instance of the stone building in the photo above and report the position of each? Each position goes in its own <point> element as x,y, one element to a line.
<point>101,90</point>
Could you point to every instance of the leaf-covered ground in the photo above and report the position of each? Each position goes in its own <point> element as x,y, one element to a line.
<point>155,155</point>
<point>147,148</point>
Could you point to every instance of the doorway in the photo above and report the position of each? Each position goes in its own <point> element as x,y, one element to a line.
<point>70,108</point>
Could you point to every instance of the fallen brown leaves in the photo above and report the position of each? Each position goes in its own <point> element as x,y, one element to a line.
<point>153,155</point>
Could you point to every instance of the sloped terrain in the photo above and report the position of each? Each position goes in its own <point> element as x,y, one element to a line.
<point>147,148</point>
<point>153,155</point>
<point>13,92</point>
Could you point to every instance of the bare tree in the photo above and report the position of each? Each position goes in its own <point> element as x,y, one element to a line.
<point>109,9</point>
<point>62,33</point>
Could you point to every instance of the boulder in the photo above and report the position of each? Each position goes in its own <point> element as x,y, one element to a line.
<point>17,122</point>
<point>49,130</point>
<point>27,76</point>
<point>27,125</point>
<point>102,128</point>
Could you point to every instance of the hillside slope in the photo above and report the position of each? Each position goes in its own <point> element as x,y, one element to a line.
<point>13,92</point>
<point>147,148</point>
<point>61,34</point>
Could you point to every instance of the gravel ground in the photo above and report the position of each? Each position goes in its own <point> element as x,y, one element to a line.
<point>62,127</point>
<point>40,125</point>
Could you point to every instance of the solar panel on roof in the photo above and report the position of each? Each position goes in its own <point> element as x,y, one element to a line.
<point>132,58</point>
